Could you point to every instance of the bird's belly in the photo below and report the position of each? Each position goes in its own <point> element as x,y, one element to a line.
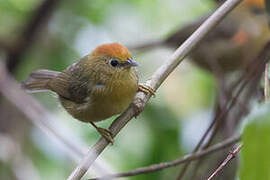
<point>104,110</point>
<point>99,108</point>
<point>114,101</point>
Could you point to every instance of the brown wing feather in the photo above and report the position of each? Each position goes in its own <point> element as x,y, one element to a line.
<point>71,84</point>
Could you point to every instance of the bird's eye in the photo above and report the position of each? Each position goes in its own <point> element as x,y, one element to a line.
<point>114,62</point>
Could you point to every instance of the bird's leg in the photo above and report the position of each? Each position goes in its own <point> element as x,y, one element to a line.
<point>107,134</point>
<point>146,89</point>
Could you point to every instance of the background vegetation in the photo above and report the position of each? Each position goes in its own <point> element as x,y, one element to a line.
<point>169,127</point>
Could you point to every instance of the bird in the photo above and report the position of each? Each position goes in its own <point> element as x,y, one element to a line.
<point>98,86</point>
<point>230,46</point>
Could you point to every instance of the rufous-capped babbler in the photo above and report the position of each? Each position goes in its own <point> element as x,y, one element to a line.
<point>96,87</point>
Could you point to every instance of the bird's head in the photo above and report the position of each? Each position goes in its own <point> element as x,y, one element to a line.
<point>114,55</point>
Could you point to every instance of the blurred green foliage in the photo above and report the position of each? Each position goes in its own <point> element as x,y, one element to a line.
<point>13,15</point>
<point>254,157</point>
<point>155,136</point>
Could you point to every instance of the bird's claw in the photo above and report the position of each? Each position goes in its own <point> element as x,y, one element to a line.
<point>146,89</point>
<point>107,134</point>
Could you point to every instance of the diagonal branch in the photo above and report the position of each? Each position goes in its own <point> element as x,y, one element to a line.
<point>154,82</point>
<point>190,157</point>
<point>231,155</point>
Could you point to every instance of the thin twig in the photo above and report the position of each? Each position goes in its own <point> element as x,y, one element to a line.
<point>190,157</point>
<point>207,131</point>
<point>245,79</point>
<point>251,78</point>
<point>266,82</point>
<point>154,82</point>
<point>214,126</point>
<point>231,155</point>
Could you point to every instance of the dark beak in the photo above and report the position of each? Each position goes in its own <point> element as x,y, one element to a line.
<point>130,63</point>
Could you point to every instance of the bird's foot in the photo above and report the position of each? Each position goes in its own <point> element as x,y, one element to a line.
<point>146,89</point>
<point>107,134</point>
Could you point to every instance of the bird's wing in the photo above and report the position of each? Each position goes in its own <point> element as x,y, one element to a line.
<point>72,84</point>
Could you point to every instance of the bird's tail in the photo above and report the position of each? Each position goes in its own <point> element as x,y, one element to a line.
<point>39,80</point>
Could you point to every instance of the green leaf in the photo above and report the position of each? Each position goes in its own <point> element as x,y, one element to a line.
<point>255,157</point>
